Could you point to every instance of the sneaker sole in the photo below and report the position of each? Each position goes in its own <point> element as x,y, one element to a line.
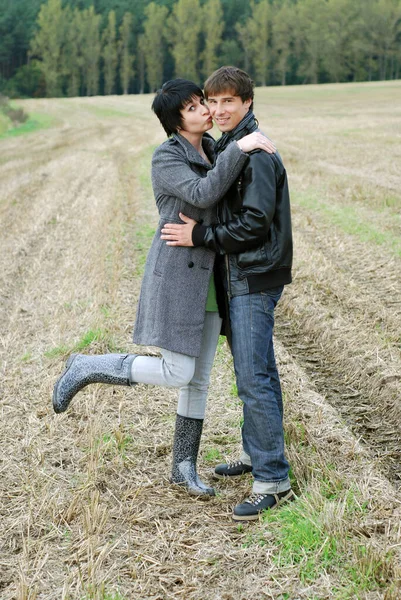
<point>217,476</point>
<point>249,518</point>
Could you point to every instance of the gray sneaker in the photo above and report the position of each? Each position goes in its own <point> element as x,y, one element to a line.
<point>232,469</point>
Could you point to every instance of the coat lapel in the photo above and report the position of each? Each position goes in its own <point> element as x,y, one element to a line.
<point>192,155</point>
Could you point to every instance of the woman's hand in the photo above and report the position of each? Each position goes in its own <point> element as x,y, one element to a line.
<point>256,141</point>
<point>179,235</point>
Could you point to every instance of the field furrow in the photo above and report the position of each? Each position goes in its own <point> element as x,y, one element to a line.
<point>342,322</point>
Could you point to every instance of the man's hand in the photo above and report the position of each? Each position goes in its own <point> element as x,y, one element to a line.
<point>179,235</point>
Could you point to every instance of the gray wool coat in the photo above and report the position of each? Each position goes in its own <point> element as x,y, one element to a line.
<point>171,310</point>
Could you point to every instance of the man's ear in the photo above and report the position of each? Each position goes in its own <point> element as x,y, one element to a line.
<point>248,103</point>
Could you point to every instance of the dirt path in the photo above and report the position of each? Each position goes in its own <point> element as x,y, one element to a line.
<point>86,508</point>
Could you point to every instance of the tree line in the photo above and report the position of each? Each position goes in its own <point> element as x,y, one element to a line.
<point>90,47</point>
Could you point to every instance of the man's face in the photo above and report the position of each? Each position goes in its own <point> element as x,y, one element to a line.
<point>227,110</point>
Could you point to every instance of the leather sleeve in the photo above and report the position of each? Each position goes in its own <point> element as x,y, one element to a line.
<point>249,228</point>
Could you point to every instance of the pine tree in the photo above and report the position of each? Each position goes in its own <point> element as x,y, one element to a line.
<point>17,24</point>
<point>91,50</point>
<point>254,36</point>
<point>109,53</point>
<point>184,28</point>
<point>47,45</point>
<point>72,55</point>
<point>141,63</point>
<point>154,44</point>
<point>213,26</point>
<point>311,35</point>
<point>244,35</point>
<point>126,58</point>
<point>386,36</point>
<point>259,29</point>
<point>283,38</point>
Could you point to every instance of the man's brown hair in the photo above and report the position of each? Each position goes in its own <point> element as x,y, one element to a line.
<point>230,79</point>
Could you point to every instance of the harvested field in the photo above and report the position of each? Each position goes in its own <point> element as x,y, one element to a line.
<point>85,505</point>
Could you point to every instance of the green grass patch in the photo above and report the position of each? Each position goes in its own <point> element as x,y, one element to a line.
<point>106,311</point>
<point>4,124</point>
<point>99,592</point>
<point>58,351</point>
<point>35,122</point>
<point>294,482</point>
<point>144,168</point>
<point>212,455</point>
<point>89,337</point>
<point>234,390</point>
<point>391,201</point>
<point>295,433</point>
<point>303,542</point>
<point>224,439</point>
<point>349,220</point>
<point>221,346</point>
<point>316,536</point>
<point>116,442</point>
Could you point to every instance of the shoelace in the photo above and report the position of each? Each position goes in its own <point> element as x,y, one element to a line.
<point>235,463</point>
<point>255,499</point>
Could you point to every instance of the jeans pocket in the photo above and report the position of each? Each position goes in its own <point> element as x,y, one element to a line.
<point>270,297</point>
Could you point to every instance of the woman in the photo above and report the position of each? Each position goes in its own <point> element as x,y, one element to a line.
<point>177,310</point>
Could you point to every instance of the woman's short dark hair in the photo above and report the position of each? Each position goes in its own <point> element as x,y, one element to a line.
<point>172,97</point>
<point>230,79</point>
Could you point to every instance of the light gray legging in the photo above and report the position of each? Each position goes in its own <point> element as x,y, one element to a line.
<point>190,374</point>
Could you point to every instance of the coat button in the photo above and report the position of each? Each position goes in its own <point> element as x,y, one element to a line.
<point>191,264</point>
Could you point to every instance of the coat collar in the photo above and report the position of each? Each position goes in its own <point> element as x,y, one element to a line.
<point>194,156</point>
<point>247,125</point>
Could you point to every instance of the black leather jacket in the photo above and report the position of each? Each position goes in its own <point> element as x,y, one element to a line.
<point>254,229</point>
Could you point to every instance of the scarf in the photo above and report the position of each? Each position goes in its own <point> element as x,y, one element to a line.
<point>247,125</point>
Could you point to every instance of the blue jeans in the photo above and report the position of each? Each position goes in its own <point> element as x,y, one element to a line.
<point>258,382</point>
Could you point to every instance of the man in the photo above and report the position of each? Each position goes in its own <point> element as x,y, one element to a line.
<point>254,237</point>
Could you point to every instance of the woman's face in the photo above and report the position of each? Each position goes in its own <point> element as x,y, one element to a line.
<point>196,116</point>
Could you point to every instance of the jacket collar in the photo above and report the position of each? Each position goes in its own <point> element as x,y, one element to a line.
<point>247,125</point>
<point>193,156</point>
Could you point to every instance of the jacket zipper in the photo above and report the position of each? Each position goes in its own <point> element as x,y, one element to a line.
<point>219,220</point>
<point>228,276</point>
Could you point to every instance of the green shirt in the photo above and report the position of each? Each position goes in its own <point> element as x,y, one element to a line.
<point>211,301</point>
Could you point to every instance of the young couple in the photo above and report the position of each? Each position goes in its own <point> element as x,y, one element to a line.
<point>222,253</point>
